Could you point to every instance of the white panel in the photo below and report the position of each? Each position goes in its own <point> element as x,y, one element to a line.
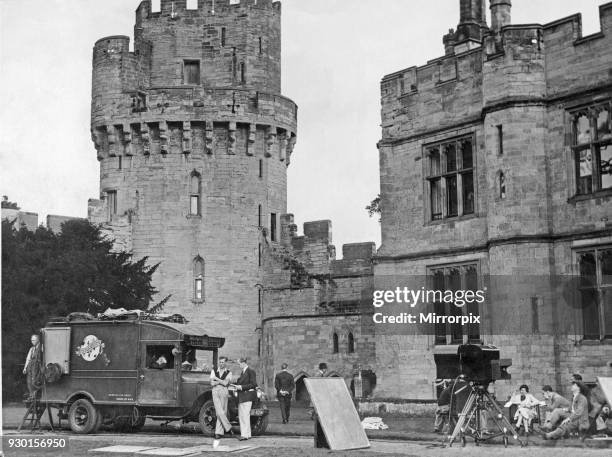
<point>56,346</point>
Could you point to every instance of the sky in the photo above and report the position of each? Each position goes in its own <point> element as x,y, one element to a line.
<point>335,52</point>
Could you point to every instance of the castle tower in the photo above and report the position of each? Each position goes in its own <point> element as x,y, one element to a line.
<point>194,140</point>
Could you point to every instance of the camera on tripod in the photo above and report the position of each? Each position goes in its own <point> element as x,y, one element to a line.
<point>480,364</point>
<point>472,406</point>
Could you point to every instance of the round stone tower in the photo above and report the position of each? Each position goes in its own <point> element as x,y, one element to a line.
<point>194,140</point>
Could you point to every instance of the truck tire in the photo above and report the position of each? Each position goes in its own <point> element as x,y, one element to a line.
<point>83,417</point>
<point>208,418</point>
<point>259,424</point>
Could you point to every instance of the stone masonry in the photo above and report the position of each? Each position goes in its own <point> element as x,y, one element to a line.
<point>511,99</point>
<point>194,139</point>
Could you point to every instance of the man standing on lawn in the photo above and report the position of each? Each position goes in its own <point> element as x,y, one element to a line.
<point>284,385</point>
<point>246,386</point>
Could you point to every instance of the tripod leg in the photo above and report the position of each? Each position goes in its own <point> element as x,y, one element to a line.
<point>505,423</point>
<point>462,417</point>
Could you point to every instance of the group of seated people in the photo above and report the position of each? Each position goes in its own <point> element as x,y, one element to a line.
<point>586,413</point>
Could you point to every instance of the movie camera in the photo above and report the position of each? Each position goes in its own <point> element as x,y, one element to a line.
<point>472,369</point>
<point>478,363</point>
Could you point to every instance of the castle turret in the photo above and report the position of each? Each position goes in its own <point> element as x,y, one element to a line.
<point>194,140</point>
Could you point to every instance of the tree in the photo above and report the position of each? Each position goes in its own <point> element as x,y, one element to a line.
<point>46,274</point>
<point>7,204</point>
<point>374,207</point>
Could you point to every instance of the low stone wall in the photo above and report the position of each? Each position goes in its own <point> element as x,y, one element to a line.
<point>413,408</point>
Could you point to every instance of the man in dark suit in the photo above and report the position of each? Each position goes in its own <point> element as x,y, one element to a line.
<point>247,394</point>
<point>284,385</point>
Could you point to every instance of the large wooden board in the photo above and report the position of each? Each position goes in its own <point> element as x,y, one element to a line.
<point>336,413</point>
<point>606,386</point>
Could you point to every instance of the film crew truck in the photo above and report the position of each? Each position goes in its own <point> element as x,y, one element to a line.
<point>118,371</point>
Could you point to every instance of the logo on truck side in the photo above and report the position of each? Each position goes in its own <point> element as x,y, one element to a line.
<point>91,348</point>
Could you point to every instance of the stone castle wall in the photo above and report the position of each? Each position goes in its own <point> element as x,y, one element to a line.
<point>224,126</point>
<point>523,82</point>
<point>310,296</point>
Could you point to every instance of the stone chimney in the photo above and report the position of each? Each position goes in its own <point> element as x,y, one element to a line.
<point>472,20</point>
<point>500,14</point>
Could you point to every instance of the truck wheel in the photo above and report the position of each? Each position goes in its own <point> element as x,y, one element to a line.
<point>259,424</point>
<point>208,418</point>
<point>83,416</point>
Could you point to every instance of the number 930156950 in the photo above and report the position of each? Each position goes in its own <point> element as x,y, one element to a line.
<point>23,442</point>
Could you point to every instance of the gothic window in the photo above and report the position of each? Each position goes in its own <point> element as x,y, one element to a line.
<point>502,185</point>
<point>450,178</point>
<point>351,343</point>
<point>191,72</point>
<point>500,139</point>
<point>242,72</point>
<point>260,46</point>
<point>595,292</point>
<point>453,278</point>
<point>223,36</point>
<point>195,188</point>
<point>259,216</point>
<point>260,168</point>
<point>273,227</point>
<point>198,279</point>
<point>592,148</point>
<point>111,204</point>
<point>336,345</point>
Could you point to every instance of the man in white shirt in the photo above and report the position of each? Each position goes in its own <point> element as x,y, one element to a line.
<point>219,379</point>
<point>32,368</point>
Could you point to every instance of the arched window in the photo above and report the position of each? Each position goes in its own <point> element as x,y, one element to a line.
<point>198,279</point>
<point>335,348</point>
<point>195,187</point>
<point>351,343</point>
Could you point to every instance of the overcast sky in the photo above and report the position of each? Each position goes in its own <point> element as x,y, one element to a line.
<point>335,53</point>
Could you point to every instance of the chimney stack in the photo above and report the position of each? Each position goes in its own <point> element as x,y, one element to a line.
<point>472,20</point>
<point>500,14</point>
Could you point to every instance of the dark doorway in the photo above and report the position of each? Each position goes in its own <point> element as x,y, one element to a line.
<point>301,392</point>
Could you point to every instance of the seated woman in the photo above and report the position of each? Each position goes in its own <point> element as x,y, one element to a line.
<point>526,407</point>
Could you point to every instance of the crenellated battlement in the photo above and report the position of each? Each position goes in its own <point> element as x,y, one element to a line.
<point>216,66</point>
<point>526,61</point>
<point>175,8</point>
